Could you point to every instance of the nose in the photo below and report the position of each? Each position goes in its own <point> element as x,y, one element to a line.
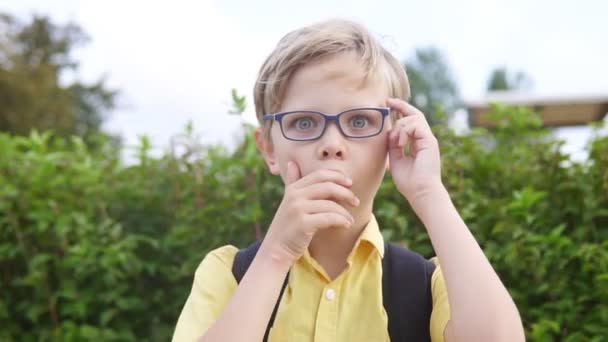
<point>331,144</point>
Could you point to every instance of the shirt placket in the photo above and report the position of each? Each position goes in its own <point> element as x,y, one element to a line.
<point>326,329</point>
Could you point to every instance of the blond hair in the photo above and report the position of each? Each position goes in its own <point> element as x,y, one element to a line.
<point>325,39</point>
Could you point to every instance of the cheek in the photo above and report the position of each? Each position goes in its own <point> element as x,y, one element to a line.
<point>303,160</point>
<point>373,162</point>
<point>380,145</point>
<point>290,151</point>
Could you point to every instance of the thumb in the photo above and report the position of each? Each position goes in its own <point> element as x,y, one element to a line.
<point>293,173</point>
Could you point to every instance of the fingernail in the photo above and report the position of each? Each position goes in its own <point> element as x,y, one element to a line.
<point>357,201</point>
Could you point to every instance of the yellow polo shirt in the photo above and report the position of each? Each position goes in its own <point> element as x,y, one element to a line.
<point>313,307</point>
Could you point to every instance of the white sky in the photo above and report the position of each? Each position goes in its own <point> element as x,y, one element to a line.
<point>177,60</point>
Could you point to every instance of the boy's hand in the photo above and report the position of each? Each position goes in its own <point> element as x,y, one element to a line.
<point>310,203</point>
<point>418,170</point>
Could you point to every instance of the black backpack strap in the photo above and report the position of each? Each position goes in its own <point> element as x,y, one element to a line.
<point>242,260</point>
<point>406,294</point>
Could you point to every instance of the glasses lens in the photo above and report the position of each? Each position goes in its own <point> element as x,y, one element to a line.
<point>361,122</point>
<point>302,125</point>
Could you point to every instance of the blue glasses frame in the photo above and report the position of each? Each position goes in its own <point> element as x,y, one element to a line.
<point>328,117</point>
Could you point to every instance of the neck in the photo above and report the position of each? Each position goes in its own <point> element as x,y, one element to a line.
<point>330,247</point>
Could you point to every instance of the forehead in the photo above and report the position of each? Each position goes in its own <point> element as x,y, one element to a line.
<point>333,84</point>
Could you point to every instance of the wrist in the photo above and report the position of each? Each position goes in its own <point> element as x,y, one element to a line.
<point>274,257</point>
<point>426,200</point>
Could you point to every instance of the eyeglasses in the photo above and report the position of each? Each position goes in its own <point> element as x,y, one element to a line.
<point>306,125</point>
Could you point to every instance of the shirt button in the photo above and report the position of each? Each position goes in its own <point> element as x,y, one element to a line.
<point>330,294</point>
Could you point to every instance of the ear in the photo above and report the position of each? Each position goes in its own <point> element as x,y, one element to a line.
<point>267,150</point>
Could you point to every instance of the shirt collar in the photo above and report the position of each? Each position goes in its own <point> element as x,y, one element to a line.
<point>371,233</point>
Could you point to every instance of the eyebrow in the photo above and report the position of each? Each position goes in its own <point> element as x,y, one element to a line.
<point>311,109</point>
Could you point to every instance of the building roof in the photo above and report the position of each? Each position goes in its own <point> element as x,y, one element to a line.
<point>563,110</point>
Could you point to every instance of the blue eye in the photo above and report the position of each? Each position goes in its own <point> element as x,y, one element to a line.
<point>304,123</point>
<point>359,122</point>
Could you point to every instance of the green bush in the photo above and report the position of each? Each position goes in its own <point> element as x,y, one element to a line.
<point>92,249</point>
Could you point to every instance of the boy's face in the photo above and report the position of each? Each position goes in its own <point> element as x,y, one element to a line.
<point>331,86</point>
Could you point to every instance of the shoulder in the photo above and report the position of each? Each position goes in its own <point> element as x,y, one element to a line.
<point>212,288</point>
<point>214,273</point>
<point>217,261</point>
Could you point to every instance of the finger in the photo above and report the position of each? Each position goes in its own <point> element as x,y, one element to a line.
<point>399,125</point>
<point>331,191</point>
<point>326,206</point>
<point>402,138</point>
<point>415,135</point>
<point>403,107</point>
<point>393,144</point>
<point>406,133</point>
<point>398,136</point>
<point>327,220</point>
<point>325,175</point>
<point>415,126</point>
<point>393,134</point>
<point>395,150</point>
<point>293,173</point>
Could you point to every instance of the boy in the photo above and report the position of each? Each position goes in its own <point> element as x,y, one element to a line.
<point>330,101</point>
